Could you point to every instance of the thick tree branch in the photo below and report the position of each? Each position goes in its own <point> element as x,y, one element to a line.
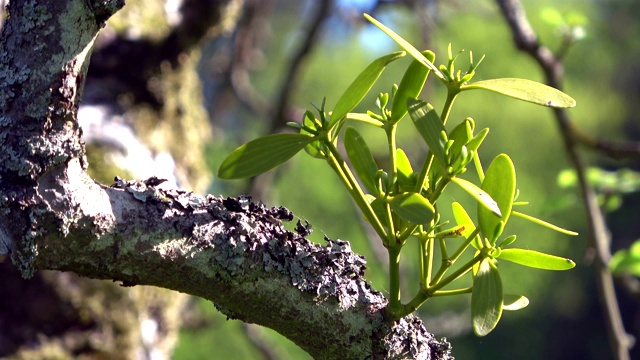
<point>526,40</point>
<point>232,252</point>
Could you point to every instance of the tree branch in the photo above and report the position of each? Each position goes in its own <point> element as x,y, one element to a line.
<point>248,38</point>
<point>233,252</point>
<point>288,85</point>
<point>283,112</point>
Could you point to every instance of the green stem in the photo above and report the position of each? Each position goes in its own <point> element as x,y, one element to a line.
<point>390,129</point>
<point>391,140</point>
<point>447,263</point>
<point>394,279</point>
<point>433,197</point>
<point>391,236</point>
<point>406,233</point>
<point>422,177</point>
<point>422,248</point>
<point>423,296</point>
<point>443,249</point>
<point>455,275</point>
<point>446,110</point>
<point>429,260</point>
<point>338,164</point>
<point>453,292</point>
<point>452,92</point>
<point>413,305</point>
<point>426,259</point>
<point>465,244</point>
<point>425,293</point>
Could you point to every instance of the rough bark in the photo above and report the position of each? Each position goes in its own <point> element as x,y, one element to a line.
<point>236,253</point>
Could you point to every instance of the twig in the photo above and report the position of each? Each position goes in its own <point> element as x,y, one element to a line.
<point>613,149</point>
<point>280,117</point>
<point>247,40</point>
<point>255,336</point>
<point>283,112</point>
<point>526,40</point>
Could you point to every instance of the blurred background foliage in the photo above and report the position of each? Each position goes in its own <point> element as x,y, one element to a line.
<point>563,319</point>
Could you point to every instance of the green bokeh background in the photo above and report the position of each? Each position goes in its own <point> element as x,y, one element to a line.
<point>563,319</point>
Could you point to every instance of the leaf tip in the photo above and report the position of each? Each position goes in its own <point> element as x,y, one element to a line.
<point>570,262</point>
<point>481,331</point>
<point>492,204</point>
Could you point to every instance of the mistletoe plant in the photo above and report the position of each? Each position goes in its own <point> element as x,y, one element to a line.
<point>401,203</point>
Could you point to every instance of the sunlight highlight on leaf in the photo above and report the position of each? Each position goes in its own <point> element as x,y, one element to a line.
<point>406,46</point>
<point>483,198</point>
<point>544,223</point>
<point>526,90</point>
<point>536,259</point>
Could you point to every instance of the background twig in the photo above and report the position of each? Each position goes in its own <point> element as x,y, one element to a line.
<point>283,112</point>
<point>526,40</point>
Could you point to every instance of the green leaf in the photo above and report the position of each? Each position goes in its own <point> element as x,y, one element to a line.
<point>361,159</point>
<point>461,135</point>
<point>365,118</point>
<point>544,223</point>
<point>486,298</point>
<point>430,127</point>
<point>536,259</point>
<point>406,177</point>
<point>462,218</point>
<point>410,86</point>
<point>552,16</point>
<point>315,148</point>
<point>485,201</point>
<point>627,260</point>
<point>360,87</point>
<point>514,302</point>
<point>526,90</point>
<point>378,206</point>
<point>262,154</point>
<point>500,184</point>
<point>477,140</point>
<point>413,207</point>
<point>456,231</point>
<point>507,241</point>
<point>406,46</point>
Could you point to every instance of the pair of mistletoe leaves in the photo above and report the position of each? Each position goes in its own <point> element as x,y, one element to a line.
<point>452,153</point>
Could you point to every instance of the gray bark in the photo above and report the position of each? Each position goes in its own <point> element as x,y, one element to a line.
<point>236,253</point>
